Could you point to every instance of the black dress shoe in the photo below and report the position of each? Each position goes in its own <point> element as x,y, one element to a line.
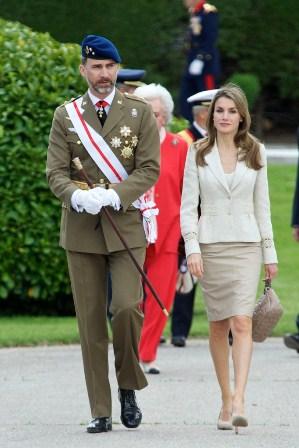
<point>100,424</point>
<point>178,341</point>
<point>292,341</point>
<point>162,340</point>
<point>131,415</point>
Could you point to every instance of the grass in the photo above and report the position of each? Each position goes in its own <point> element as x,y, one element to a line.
<point>26,330</point>
<point>31,330</point>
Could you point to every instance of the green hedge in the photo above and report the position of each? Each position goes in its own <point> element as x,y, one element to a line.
<point>36,74</point>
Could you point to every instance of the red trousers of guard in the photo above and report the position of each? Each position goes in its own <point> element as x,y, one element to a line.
<point>162,271</point>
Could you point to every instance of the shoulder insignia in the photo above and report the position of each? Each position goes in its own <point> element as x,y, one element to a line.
<point>71,100</point>
<point>134,97</point>
<point>209,8</point>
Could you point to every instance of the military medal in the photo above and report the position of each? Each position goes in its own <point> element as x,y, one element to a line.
<point>125,131</point>
<point>115,142</point>
<point>127,152</point>
<point>134,140</point>
<point>101,111</point>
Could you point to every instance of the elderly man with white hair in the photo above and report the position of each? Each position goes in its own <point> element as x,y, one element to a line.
<point>161,260</point>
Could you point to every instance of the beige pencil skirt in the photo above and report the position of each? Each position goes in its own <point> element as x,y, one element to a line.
<point>230,279</point>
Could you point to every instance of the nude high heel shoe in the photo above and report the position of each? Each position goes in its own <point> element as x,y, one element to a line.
<point>224,424</point>
<point>238,421</point>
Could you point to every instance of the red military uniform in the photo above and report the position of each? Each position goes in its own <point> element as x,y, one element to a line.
<point>161,261</point>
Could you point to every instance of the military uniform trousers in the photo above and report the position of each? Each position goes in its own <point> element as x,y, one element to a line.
<point>88,274</point>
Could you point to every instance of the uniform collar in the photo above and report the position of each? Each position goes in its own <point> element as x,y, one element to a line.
<point>108,99</point>
<point>201,130</point>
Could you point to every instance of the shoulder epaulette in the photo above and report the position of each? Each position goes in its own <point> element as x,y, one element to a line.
<point>71,100</point>
<point>209,8</point>
<point>134,97</point>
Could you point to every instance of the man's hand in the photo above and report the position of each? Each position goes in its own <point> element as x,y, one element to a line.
<point>84,200</point>
<point>106,197</point>
<point>196,67</point>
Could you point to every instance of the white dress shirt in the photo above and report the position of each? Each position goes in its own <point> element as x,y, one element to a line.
<point>108,99</point>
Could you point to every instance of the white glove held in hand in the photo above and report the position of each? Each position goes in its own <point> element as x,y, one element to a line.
<point>84,200</point>
<point>93,200</point>
<point>107,197</point>
<point>196,67</point>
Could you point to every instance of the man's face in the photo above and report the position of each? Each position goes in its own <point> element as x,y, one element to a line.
<point>100,75</point>
<point>159,112</point>
<point>201,116</point>
<point>190,3</point>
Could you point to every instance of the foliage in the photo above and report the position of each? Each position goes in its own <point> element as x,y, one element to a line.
<point>36,75</point>
<point>261,37</point>
<point>178,124</point>
<point>258,37</point>
<point>250,84</point>
<point>149,34</point>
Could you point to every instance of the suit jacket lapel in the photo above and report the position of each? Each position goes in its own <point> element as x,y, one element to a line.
<point>89,113</point>
<point>214,164</point>
<point>115,114</point>
<point>241,169</point>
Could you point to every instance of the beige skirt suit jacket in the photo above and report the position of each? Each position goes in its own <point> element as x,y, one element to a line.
<point>234,233</point>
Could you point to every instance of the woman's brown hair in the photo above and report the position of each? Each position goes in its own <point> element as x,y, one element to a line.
<point>248,145</point>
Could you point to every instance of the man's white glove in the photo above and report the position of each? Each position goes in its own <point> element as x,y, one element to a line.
<point>107,197</point>
<point>93,200</point>
<point>83,200</point>
<point>196,67</point>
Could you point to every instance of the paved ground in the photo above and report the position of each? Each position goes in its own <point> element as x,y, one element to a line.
<point>43,402</point>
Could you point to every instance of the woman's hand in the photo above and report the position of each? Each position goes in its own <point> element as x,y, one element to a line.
<point>296,233</point>
<point>270,271</point>
<point>195,265</point>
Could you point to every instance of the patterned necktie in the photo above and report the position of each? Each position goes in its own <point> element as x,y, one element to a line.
<point>101,113</point>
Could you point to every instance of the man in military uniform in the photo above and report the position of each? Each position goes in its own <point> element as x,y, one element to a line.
<point>116,138</point>
<point>128,79</point>
<point>182,312</point>
<point>200,105</point>
<point>202,67</point>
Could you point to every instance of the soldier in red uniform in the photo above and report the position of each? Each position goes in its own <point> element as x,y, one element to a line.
<point>161,260</point>
<point>202,67</point>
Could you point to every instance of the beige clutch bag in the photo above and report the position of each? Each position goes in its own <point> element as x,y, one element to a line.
<point>267,312</point>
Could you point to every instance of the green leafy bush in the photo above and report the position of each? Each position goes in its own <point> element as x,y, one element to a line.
<point>36,75</point>
<point>177,124</point>
<point>250,84</point>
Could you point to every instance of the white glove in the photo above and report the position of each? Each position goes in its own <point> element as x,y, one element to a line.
<point>84,200</point>
<point>107,197</point>
<point>196,67</point>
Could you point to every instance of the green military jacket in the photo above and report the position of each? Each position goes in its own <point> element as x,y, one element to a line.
<point>78,230</point>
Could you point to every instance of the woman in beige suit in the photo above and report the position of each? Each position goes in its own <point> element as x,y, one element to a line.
<point>233,236</point>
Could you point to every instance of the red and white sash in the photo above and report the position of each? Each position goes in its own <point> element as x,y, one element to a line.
<point>110,165</point>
